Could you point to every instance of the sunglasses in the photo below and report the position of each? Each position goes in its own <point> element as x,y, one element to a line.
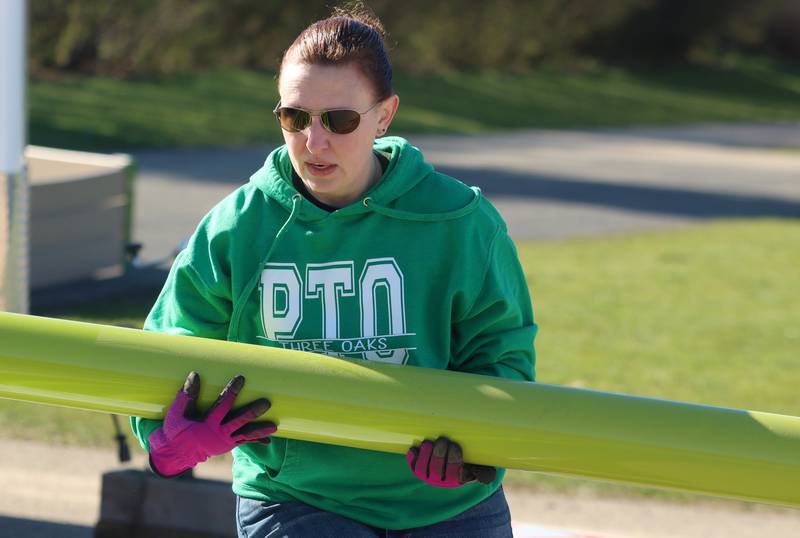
<point>337,121</point>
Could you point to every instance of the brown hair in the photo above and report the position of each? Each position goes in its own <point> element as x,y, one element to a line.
<point>352,34</point>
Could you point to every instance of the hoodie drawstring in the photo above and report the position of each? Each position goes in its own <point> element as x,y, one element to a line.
<point>233,328</point>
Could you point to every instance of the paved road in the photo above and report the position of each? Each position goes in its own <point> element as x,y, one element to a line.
<point>547,184</point>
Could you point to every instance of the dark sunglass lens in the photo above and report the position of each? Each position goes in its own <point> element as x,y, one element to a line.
<point>341,121</point>
<point>293,119</point>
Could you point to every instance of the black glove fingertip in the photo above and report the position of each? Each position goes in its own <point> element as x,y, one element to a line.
<point>191,387</point>
<point>261,406</point>
<point>236,384</point>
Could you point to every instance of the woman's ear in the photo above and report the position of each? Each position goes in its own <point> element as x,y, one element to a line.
<point>386,112</point>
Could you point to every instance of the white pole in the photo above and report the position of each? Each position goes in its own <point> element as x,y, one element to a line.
<point>13,185</point>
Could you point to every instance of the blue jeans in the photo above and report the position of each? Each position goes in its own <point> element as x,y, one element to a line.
<point>265,519</point>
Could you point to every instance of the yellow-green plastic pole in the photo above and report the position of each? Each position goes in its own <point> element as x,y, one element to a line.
<point>536,427</point>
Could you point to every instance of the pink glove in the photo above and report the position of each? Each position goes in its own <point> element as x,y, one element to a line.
<point>185,439</point>
<point>442,465</point>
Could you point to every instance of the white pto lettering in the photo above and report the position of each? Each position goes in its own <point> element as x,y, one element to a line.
<point>383,272</point>
<point>381,306</point>
<point>281,304</point>
<point>328,282</point>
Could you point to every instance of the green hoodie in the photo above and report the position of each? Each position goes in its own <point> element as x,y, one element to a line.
<point>419,271</point>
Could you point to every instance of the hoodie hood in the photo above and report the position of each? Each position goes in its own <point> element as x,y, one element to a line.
<point>407,169</point>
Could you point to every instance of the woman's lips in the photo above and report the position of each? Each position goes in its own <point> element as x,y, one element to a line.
<point>317,170</point>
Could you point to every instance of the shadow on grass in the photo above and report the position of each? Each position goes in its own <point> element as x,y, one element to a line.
<point>751,81</point>
<point>228,108</point>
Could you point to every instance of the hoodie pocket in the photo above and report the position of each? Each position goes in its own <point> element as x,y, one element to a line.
<point>287,462</point>
<point>254,462</point>
<point>339,472</point>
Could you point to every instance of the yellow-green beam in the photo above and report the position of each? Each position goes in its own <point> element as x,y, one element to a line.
<point>531,426</point>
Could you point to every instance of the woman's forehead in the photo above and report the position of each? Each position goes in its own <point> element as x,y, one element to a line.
<point>318,87</point>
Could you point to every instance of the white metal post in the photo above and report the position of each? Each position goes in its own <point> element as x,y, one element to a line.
<point>14,190</point>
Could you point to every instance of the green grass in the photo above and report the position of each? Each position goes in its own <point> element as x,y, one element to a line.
<point>705,314</point>
<point>227,108</point>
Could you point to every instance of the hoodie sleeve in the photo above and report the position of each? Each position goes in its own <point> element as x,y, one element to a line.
<point>495,336</point>
<point>195,301</point>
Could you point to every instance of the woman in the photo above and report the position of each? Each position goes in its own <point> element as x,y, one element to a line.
<point>347,243</point>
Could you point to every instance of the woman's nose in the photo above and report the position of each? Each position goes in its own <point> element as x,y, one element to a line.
<point>316,135</point>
